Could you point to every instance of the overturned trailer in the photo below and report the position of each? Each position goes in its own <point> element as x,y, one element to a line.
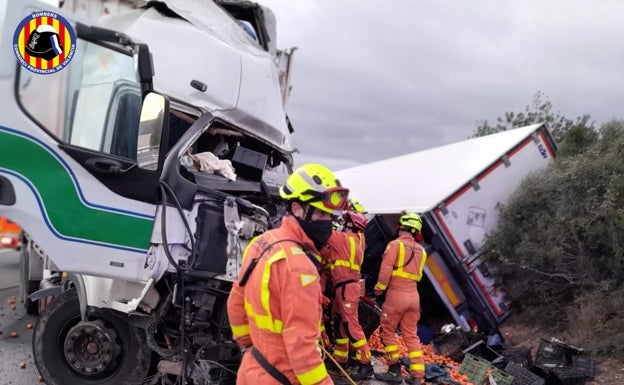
<point>456,189</point>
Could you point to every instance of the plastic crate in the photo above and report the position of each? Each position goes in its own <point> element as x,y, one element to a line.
<point>584,365</point>
<point>475,368</point>
<point>450,345</point>
<point>521,356</point>
<point>522,375</point>
<point>568,376</point>
<point>552,354</point>
<point>369,317</point>
<point>500,377</point>
<point>480,349</point>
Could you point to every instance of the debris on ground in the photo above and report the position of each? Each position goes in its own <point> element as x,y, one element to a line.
<point>479,359</point>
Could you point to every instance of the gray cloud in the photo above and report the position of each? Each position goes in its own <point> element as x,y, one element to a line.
<point>376,79</point>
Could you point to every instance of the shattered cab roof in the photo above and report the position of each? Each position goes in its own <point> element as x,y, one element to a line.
<point>208,45</point>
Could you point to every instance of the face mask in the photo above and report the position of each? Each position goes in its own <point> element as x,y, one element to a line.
<point>318,231</point>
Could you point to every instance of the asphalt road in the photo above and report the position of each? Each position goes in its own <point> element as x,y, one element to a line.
<point>14,350</point>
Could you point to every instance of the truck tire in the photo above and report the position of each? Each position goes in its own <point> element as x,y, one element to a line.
<point>104,350</point>
<point>28,286</point>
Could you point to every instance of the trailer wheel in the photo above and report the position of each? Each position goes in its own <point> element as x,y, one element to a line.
<point>28,286</point>
<point>104,350</point>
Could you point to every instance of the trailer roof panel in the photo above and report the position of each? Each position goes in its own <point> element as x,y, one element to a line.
<point>421,180</point>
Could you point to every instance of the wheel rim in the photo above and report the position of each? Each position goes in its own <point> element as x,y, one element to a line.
<point>91,349</point>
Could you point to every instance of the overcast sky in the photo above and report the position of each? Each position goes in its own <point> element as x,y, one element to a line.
<point>376,79</point>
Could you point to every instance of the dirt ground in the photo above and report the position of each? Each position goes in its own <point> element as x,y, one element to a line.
<point>608,371</point>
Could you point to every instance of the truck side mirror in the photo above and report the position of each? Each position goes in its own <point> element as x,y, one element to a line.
<point>154,120</point>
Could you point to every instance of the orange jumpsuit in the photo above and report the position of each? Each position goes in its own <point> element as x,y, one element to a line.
<point>278,310</point>
<point>344,253</point>
<point>401,267</point>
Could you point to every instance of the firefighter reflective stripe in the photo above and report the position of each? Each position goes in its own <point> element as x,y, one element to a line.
<point>392,352</point>
<point>307,279</point>
<point>344,352</point>
<point>381,286</point>
<point>419,365</point>
<point>266,321</point>
<point>400,272</point>
<point>359,343</point>
<point>313,376</point>
<point>240,331</point>
<point>351,263</point>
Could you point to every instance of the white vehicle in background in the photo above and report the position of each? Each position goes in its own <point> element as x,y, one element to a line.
<point>108,166</point>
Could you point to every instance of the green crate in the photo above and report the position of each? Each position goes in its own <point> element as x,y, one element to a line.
<point>475,368</point>
<point>501,377</point>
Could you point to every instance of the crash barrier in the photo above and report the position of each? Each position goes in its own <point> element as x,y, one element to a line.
<point>522,375</point>
<point>451,345</point>
<point>520,356</point>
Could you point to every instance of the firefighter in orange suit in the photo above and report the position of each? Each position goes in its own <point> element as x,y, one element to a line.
<point>274,308</point>
<point>345,253</point>
<point>401,267</point>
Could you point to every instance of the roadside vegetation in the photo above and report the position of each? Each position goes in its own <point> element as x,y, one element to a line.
<point>559,247</point>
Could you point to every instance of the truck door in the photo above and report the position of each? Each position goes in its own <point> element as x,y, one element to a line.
<point>84,177</point>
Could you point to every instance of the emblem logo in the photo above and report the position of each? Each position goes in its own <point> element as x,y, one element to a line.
<point>44,42</point>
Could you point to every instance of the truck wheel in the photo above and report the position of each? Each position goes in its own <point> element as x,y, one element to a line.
<point>28,286</point>
<point>104,350</point>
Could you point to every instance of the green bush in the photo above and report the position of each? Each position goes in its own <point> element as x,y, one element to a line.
<point>560,239</point>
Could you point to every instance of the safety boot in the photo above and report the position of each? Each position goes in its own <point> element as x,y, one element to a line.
<point>330,365</point>
<point>393,375</point>
<point>414,380</point>
<point>364,371</point>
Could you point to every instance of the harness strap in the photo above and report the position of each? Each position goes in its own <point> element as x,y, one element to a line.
<point>266,365</point>
<point>254,262</point>
<point>343,284</point>
<point>408,260</point>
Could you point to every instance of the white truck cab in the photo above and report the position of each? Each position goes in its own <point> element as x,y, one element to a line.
<point>138,172</point>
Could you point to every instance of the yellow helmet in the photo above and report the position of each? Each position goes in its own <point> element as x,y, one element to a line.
<point>317,186</point>
<point>356,206</point>
<point>411,220</point>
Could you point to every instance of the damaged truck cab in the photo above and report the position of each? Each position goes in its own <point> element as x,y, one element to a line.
<point>138,173</point>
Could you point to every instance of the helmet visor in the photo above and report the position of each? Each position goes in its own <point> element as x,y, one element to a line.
<point>335,198</point>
